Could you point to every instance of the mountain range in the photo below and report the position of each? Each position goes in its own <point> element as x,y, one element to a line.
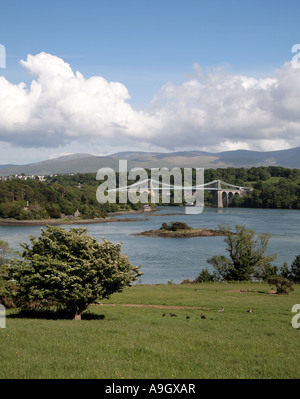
<point>87,163</point>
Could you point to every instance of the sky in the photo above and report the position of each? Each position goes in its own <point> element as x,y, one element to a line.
<point>105,76</point>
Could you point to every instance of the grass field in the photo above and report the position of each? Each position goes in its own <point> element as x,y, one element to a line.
<point>117,341</point>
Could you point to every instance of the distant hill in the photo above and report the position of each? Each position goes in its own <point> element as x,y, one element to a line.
<point>6,166</point>
<point>62,165</point>
<point>240,158</point>
<point>87,163</point>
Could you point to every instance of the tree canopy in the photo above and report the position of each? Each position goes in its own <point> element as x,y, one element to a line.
<point>62,195</point>
<point>69,269</point>
<point>292,272</point>
<point>247,257</point>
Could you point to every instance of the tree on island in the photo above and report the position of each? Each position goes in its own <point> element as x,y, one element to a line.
<point>247,257</point>
<point>69,269</point>
<point>175,226</point>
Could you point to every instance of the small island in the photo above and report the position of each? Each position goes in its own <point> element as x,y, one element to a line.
<point>179,229</point>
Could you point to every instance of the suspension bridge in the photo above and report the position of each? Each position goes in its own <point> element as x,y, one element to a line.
<point>223,196</point>
<point>223,193</point>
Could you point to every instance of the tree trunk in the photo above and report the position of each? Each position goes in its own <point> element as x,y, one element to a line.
<point>77,315</point>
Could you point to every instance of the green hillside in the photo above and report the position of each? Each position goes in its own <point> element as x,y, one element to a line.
<point>63,195</point>
<point>86,163</point>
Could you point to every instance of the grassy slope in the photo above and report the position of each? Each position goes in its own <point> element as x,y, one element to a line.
<point>133,342</point>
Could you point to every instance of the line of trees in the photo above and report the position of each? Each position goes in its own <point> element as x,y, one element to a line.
<point>282,194</point>
<point>248,261</point>
<point>54,198</point>
<point>274,187</point>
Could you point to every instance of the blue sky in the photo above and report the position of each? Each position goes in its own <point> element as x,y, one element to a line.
<point>145,45</point>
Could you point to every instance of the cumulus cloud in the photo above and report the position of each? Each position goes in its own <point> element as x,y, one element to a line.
<point>213,111</point>
<point>60,106</point>
<point>223,111</point>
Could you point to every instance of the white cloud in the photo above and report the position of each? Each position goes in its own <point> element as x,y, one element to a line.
<point>220,110</point>
<point>214,110</point>
<point>60,106</point>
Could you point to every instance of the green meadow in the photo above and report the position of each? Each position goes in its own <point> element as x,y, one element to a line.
<point>116,341</point>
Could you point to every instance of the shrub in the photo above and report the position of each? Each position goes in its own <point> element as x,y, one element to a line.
<point>174,226</point>
<point>206,277</point>
<point>188,281</point>
<point>267,272</point>
<point>292,273</point>
<point>295,270</point>
<point>165,226</point>
<point>283,285</point>
<point>284,270</point>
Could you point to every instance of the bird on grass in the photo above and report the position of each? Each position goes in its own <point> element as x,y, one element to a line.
<point>202,316</point>
<point>163,315</point>
<point>250,310</point>
<point>221,310</point>
<point>173,315</point>
<point>187,317</point>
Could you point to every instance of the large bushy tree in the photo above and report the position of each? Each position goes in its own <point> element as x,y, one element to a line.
<point>70,269</point>
<point>247,257</point>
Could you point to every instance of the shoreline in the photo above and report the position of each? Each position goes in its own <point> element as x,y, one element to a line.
<point>51,222</point>
<point>44,222</point>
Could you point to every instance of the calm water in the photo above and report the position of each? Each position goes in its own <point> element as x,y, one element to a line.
<point>176,259</point>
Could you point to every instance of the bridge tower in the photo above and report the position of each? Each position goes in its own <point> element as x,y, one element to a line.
<point>218,195</point>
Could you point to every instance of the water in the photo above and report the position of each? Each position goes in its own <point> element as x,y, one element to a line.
<point>176,259</point>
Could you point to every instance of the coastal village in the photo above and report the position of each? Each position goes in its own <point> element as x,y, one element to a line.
<point>23,177</point>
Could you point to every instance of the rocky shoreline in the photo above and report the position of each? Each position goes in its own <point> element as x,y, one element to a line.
<point>45,222</point>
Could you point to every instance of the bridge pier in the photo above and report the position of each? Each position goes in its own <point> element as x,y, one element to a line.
<point>218,195</point>
<point>217,199</point>
<point>223,197</point>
